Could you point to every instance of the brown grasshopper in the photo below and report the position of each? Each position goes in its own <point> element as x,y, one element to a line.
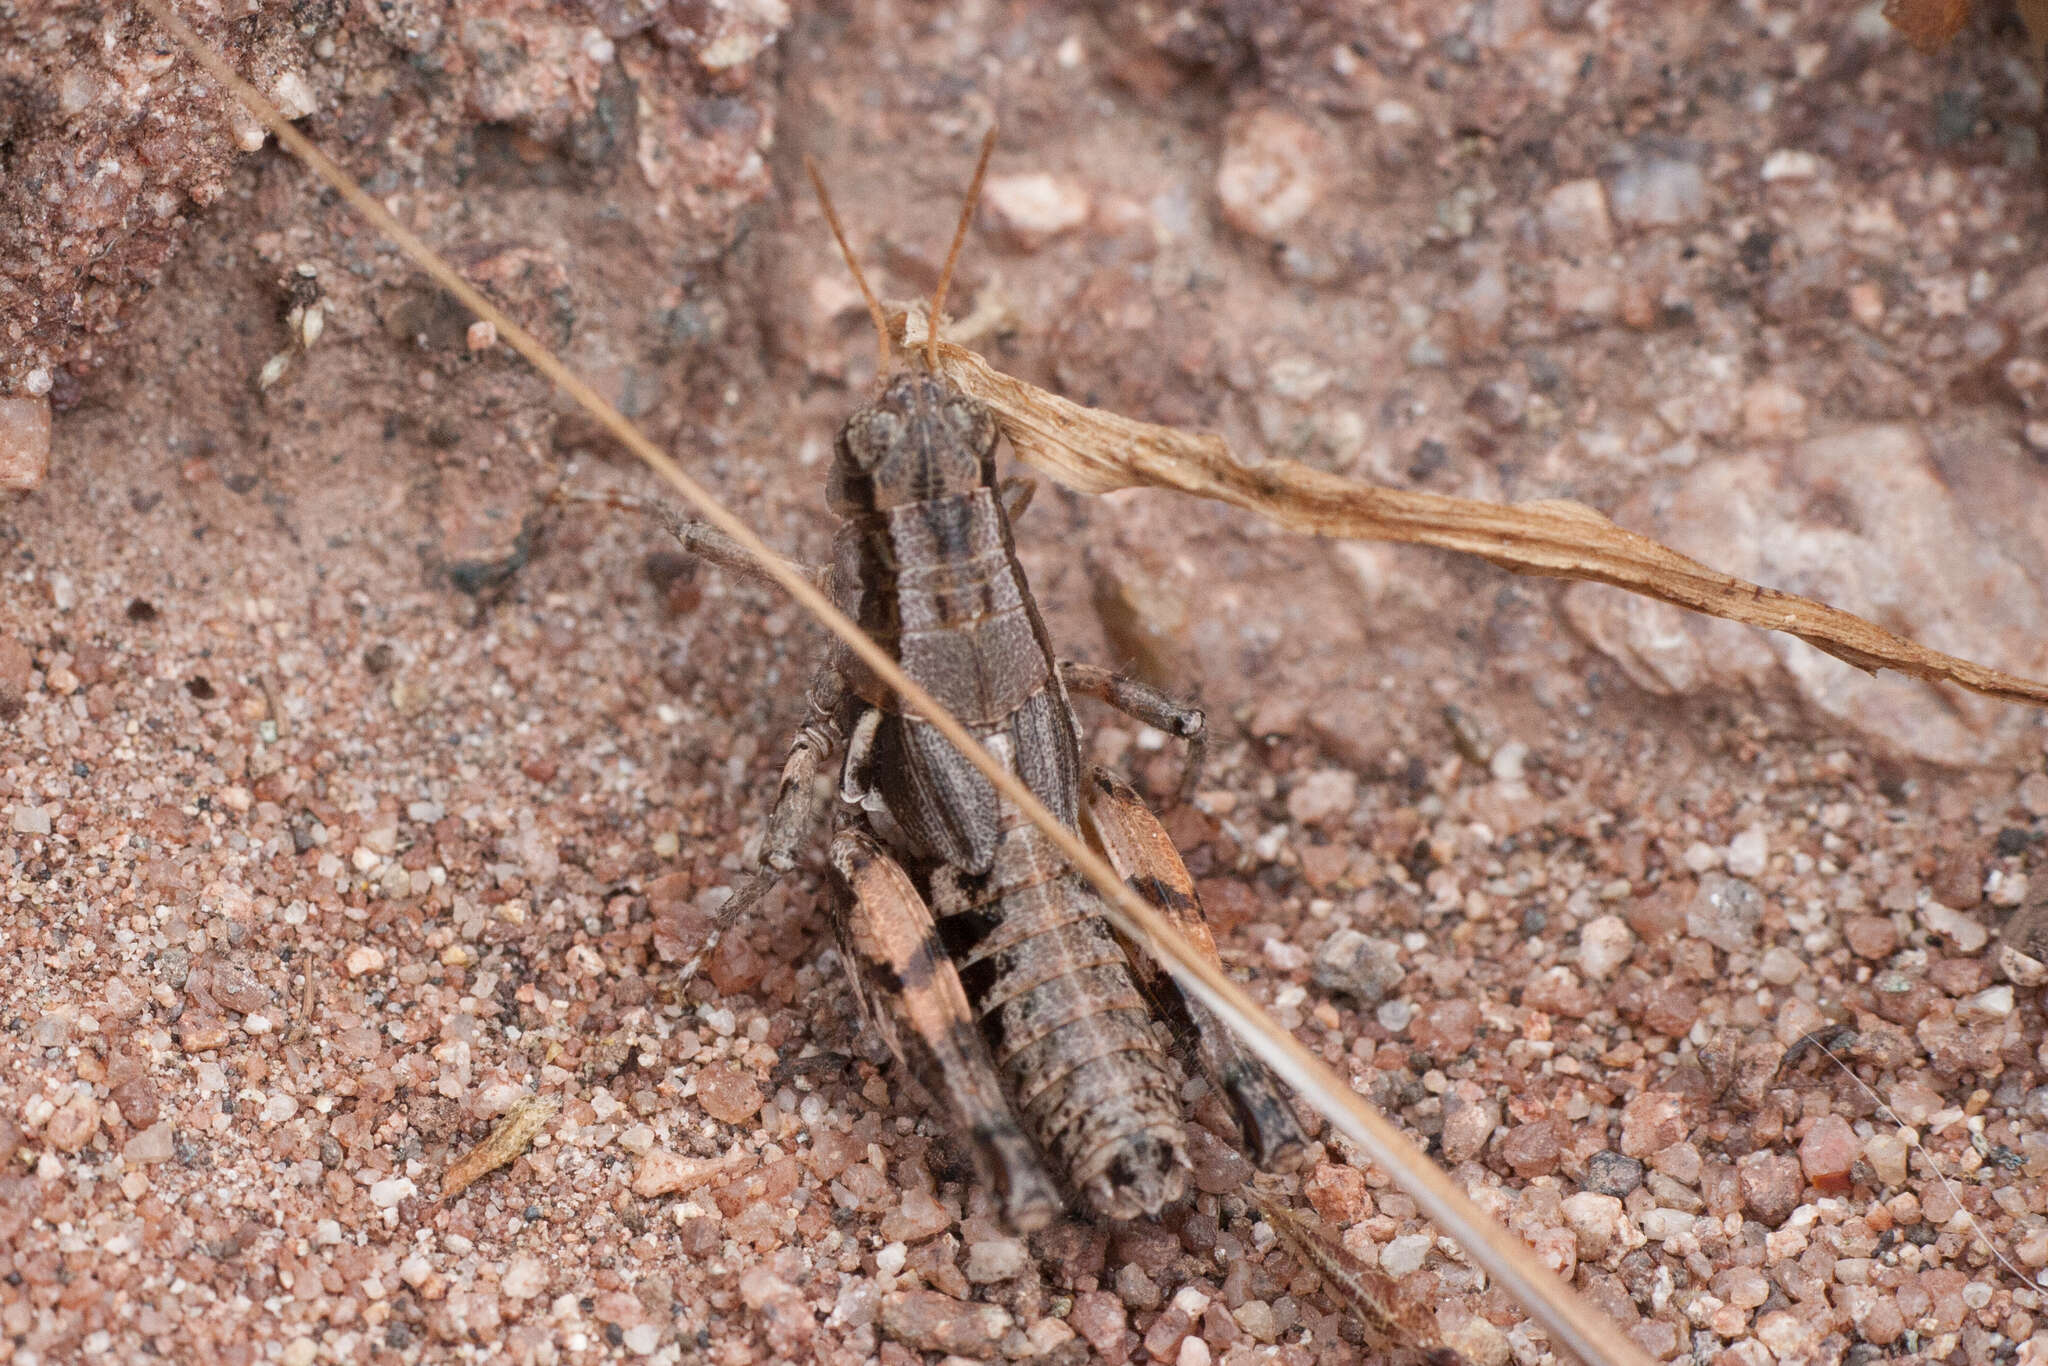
<point>979,956</point>
<point>983,960</point>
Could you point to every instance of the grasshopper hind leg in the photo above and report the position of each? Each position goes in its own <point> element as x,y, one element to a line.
<point>1144,856</point>
<point>910,992</point>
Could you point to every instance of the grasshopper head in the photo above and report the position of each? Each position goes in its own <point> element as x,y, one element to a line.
<point>920,438</point>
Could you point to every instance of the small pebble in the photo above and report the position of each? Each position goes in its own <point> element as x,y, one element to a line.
<point>2021,969</point>
<point>74,1124</point>
<point>662,1172</point>
<point>1770,1183</point>
<point>1964,932</point>
<point>1446,1028</point>
<point>1033,208</point>
<point>1270,174</point>
<point>727,1094</point>
<point>1531,1149</point>
<point>1773,411</point>
<point>1828,1152</point>
<point>1100,1319</point>
<point>24,442</point>
<point>524,1278</point>
<point>149,1146</point>
<point>1136,1289</point>
<point>1599,1221</point>
<point>1748,853</point>
<point>1725,912</point>
<point>1680,1165</point>
<point>1789,163</point>
<point>386,1193</point>
<point>1405,1255</point>
<point>917,1218</point>
<point>1660,1224</point>
<point>1870,937</point>
<point>364,959</point>
<point>1218,1168</point>
<point>1786,1335</point>
<point>1324,796</point>
<point>927,1321</point>
<point>1993,1003</point>
<point>1781,967</point>
<point>1656,190</point>
<point>996,1259</point>
<point>1257,1319</point>
<point>1467,1128</point>
<point>1650,1123</point>
<point>1358,966</point>
<point>1605,944</point>
<point>1575,221</point>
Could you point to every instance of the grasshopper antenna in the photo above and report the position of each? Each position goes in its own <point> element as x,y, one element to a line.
<point>875,312</point>
<point>931,331</point>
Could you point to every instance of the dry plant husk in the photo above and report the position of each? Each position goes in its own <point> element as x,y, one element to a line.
<point>1093,451</point>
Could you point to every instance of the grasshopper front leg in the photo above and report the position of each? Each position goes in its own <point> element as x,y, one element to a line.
<point>794,815</point>
<point>1119,823</point>
<point>910,993</point>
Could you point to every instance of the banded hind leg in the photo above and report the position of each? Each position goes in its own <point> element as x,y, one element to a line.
<point>1130,836</point>
<point>1146,703</point>
<point>910,993</point>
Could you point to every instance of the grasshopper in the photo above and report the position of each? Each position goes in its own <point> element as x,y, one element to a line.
<point>985,963</point>
<point>983,960</point>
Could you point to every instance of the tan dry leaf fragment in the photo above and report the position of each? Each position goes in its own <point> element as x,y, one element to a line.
<point>1094,451</point>
<point>505,1143</point>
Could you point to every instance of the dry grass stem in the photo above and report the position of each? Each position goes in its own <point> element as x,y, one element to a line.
<point>1093,451</point>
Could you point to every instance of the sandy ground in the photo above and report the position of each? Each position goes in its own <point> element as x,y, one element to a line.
<point>324,847</point>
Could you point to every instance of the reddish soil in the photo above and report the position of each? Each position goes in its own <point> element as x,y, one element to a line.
<point>351,793</point>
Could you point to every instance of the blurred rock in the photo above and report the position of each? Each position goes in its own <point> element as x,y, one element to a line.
<point>1033,209</point>
<point>24,442</point>
<point>1270,174</point>
<point>1725,912</point>
<point>1657,184</point>
<point>1362,968</point>
<point>1863,521</point>
<point>928,1321</point>
<point>1575,220</point>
